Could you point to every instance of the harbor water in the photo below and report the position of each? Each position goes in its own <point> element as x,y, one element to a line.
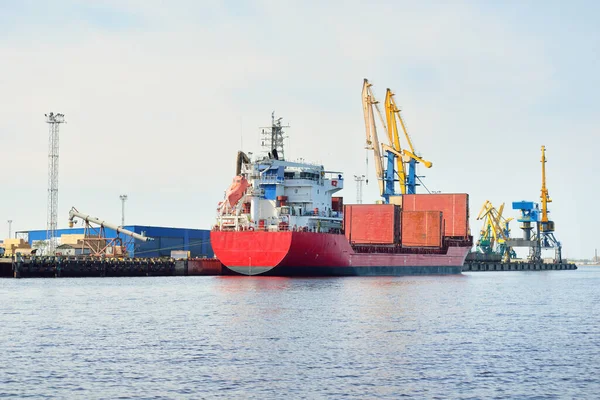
<point>501,335</point>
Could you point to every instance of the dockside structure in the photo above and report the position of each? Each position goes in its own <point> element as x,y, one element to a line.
<point>196,241</point>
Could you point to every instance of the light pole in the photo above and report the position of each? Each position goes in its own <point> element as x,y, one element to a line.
<point>9,228</point>
<point>359,181</point>
<point>123,198</point>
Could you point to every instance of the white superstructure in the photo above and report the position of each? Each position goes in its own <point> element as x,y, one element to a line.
<point>282,195</point>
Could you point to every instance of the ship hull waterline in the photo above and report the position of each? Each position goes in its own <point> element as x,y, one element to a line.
<point>322,254</point>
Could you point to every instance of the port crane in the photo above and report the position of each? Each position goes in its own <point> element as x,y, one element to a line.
<point>96,242</point>
<point>545,227</point>
<point>404,156</point>
<point>543,237</point>
<point>495,232</point>
<point>395,169</point>
<point>369,105</point>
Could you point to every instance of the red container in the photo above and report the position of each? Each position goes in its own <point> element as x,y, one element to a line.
<point>454,206</point>
<point>372,223</point>
<point>337,204</point>
<point>422,229</point>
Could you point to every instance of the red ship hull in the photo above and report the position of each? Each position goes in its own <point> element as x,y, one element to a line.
<point>312,254</point>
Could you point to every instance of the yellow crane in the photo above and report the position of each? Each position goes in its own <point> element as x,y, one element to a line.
<point>369,104</point>
<point>545,224</point>
<point>495,231</point>
<point>397,157</point>
<point>393,116</point>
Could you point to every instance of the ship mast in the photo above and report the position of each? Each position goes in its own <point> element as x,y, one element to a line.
<point>273,136</point>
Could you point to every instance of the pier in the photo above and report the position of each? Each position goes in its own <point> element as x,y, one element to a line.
<point>517,266</point>
<point>57,267</point>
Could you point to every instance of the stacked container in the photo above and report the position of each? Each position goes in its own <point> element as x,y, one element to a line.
<point>454,206</point>
<point>372,223</point>
<point>422,229</point>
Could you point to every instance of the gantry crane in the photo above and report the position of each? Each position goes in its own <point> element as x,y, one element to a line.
<point>397,157</point>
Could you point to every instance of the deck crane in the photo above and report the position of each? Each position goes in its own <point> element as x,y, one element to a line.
<point>393,115</point>
<point>395,169</point>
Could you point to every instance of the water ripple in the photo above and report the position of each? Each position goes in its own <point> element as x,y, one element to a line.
<point>481,335</point>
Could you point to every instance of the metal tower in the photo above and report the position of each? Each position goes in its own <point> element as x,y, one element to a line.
<point>272,138</point>
<point>359,182</point>
<point>545,227</point>
<point>10,228</point>
<point>123,198</point>
<point>53,121</point>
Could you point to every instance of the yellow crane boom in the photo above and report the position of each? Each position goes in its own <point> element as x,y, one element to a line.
<point>545,197</point>
<point>392,129</point>
<point>393,115</point>
<point>369,103</point>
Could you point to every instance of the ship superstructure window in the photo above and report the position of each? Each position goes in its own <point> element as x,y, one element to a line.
<point>309,175</point>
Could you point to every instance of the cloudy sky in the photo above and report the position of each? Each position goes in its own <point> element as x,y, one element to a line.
<point>159,96</point>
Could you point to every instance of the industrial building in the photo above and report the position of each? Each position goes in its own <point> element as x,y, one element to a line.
<point>165,240</point>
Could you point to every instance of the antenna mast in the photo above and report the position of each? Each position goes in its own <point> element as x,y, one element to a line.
<point>273,137</point>
<point>53,121</point>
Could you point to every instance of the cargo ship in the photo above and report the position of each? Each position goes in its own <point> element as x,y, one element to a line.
<point>282,218</point>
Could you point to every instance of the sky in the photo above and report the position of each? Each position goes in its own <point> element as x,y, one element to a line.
<point>159,97</point>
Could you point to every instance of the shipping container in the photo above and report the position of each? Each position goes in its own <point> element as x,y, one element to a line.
<point>422,228</point>
<point>372,223</point>
<point>454,206</point>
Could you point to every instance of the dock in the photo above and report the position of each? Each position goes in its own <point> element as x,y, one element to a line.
<point>516,266</point>
<point>80,267</point>
<point>64,267</point>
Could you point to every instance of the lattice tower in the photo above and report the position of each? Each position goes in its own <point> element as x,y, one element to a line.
<point>53,121</point>
<point>359,186</point>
